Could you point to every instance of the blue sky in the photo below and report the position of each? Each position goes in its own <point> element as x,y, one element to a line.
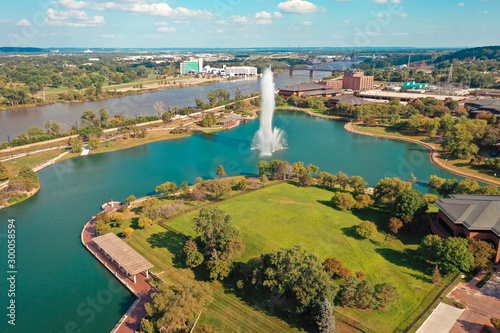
<point>249,23</point>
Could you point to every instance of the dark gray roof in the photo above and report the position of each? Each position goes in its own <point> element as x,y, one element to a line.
<point>305,87</point>
<point>322,92</point>
<point>475,212</point>
<point>492,105</point>
<point>349,99</point>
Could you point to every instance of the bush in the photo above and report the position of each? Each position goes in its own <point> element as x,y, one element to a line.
<point>366,229</point>
<point>360,275</point>
<point>343,201</point>
<point>364,201</point>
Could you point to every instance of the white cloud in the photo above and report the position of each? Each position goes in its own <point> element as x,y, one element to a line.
<point>264,15</point>
<point>347,21</point>
<point>400,34</point>
<point>73,4</point>
<point>297,6</point>
<point>182,22</point>
<point>160,23</point>
<point>264,22</point>
<point>155,9</point>
<point>240,19</point>
<point>72,18</point>
<point>278,15</point>
<point>153,36</point>
<point>337,37</point>
<point>307,23</point>
<point>23,22</point>
<point>111,36</point>
<point>461,4</point>
<point>220,31</point>
<point>167,29</point>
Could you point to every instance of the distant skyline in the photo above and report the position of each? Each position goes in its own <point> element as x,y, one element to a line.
<point>250,23</point>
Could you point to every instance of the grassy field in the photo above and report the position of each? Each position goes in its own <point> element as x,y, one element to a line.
<point>285,215</point>
<point>31,160</point>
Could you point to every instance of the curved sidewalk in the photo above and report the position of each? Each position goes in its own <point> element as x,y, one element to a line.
<point>434,155</point>
<point>130,321</point>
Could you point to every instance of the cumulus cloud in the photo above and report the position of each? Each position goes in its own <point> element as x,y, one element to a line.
<point>73,4</point>
<point>240,19</point>
<point>111,36</point>
<point>72,18</point>
<point>297,6</point>
<point>264,22</point>
<point>278,15</point>
<point>307,23</point>
<point>23,22</point>
<point>264,15</point>
<point>155,9</point>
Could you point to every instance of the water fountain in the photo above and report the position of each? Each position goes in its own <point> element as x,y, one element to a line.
<point>267,139</point>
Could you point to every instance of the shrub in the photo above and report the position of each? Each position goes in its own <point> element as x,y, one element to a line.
<point>366,229</point>
<point>343,201</point>
<point>333,266</point>
<point>364,201</point>
<point>360,275</point>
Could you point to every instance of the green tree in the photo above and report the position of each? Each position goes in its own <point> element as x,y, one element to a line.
<point>453,256</point>
<point>88,117</point>
<point>167,117</point>
<point>409,203</point>
<point>263,168</point>
<point>218,96</point>
<point>130,199</point>
<point>192,256</point>
<point>358,184</point>
<point>184,188</point>
<point>348,292</point>
<point>343,201</point>
<point>428,248</point>
<point>220,171</point>
<point>167,188</point>
<point>4,172</point>
<point>238,95</point>
<point>364,201</point>
<point>364,295</point>
<point>174,306</point>
<point>436,276</point>
<point>76,145</point>
<point>460,142</point>
<point>366,229</point>
<point>342,180</point>
<point>325,319</point>
<point>214,225</point>
<point>436,181</point>
<point>483,253</point>
<point>384,294</point>
<point>388,189</point>
<point>117,219</point>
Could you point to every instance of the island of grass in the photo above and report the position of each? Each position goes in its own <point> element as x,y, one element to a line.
<point>283,216</point>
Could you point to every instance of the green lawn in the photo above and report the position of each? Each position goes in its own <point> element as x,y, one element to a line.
<point>285,215</point>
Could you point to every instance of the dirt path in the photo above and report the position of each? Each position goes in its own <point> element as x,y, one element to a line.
<point>434,155</point>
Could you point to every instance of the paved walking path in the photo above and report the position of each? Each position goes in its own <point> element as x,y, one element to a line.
<point>479,308</point>
<point>129,323</point>
<point>434,156</point>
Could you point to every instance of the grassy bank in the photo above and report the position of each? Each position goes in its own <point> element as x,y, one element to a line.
<point>282,216</point>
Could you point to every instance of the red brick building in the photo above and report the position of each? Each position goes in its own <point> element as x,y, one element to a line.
<point>420,64</point>
<point>333,84</point>
<point>469,216</point>
<point>357,81</point>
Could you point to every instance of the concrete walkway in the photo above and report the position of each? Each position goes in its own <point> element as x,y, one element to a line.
<point>434,155</point>
<point>130,322</point>
<point>441,320</point>
<point>492,287</point>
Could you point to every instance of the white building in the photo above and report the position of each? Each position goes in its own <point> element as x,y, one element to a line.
<point>239,71</point>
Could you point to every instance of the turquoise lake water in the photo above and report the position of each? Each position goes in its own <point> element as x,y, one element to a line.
<point>58,279</point>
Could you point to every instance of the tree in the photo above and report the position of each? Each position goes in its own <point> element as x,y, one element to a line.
<point>388,189</point>
<point>158,107</point>
<point>88,117</point>
<point>168,188</point>
<point>348,292</point>
<point>220,171</point>
<point>364,201</point>
<point>395,224</point>
<point>208,120</point>
<point>167,117</point>
<point>409,203</point>
<point>76,145</point>
<point>198,195</point>
<point>238,95</point>
<point>384,294</point>
<point>4,172</point>
<point>364,295</point>
<point>145,222</point>
<point>94,140</point>
<point>342,180</point>
<point>436,181</point>
<point>428,248</point>
<point>436,276</point>
<point>326,320</point>
<point>128,232</point>
<point>173,306</point>
<point>263,168</point>
<point>218,96</point>
<point>117,219</point>
<point>104,116</point>
<point>453,256</point>
<point>483,252</point>
<point>358,184</point>
<point>343,201</point>
<point>333,265</point>
<point>130,199</point>
<point>459,142</point>
<point>184,188</point>
<point>214,225</point>
<point>366,229</point>
<point>193,257</point>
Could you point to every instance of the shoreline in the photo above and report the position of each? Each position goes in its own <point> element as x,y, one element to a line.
<point>130,92</point>
<point>433,154</point>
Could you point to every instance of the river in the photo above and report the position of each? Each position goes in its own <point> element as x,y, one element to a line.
<point>15,121</point>
<point>58,281</point>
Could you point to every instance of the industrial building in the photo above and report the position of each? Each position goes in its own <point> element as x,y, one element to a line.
<point>193,66</point>
<point>413,85</point>
<point>487,105</point>
<point>308,89</point>
<point>239,71</point>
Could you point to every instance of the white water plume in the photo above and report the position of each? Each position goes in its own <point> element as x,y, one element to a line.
<point>267,139</point>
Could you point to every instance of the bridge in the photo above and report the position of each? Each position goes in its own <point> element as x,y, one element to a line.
<point>310,68</point>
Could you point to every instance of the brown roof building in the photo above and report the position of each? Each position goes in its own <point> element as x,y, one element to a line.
<point>345,99</point>
<point>469,216</point>
<point>311,89</point>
